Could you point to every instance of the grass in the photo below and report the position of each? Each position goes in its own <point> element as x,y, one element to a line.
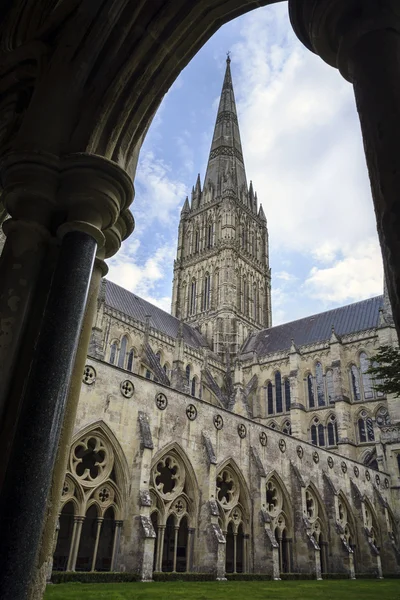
<point>369,589</point>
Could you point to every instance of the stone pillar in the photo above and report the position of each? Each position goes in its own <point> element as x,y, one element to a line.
<point>116,542</point>
<point>78,522</point>
<point>161,534</point>
<point>189,551</point>
<point>96,544</point>
<point>361,38</point>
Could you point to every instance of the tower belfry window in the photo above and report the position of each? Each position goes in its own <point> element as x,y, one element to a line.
<point>193,298</point>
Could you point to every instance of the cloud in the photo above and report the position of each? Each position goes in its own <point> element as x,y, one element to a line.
<point>285,276</point>
<point>356,276</point>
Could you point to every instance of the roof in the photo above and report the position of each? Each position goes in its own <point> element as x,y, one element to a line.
<point>352,318</point>
<point>128,303</point>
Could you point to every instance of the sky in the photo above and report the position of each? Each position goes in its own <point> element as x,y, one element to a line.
<point>302,149</point>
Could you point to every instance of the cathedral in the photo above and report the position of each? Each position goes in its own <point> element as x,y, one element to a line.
<point>207,440</point>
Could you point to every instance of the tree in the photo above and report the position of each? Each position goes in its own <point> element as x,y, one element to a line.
<point>385,369</point>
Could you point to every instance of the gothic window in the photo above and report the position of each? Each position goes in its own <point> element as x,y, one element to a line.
<point>319,378</point>
<point>122,352</point>
<point>382,417</point>
<point>278,392</point>
<point>255,302</point>
<point>131,356</point>
<point>329,386</point>
<point>332,431</point>
<point>158,356</point>
<point>193,298</point>
<point>196,241</point>
<point>193,387</point>
<point>148,374</point>
<point>207,292</point>
<point>210,236</point>
<point>365,428</point>
<point>355,383</point>
<point>270,399</point>
<point>317,433</point>
<point>113,352</point>
<point>187,372</point>
<point>366,377</point>
<point>287,428</point>
<point>286,384</point>
<point>310,390</point>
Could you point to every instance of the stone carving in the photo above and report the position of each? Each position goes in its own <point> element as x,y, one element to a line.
<point>218,422</point>
<point>127,388</point>
<point>263,438</point>
<point>89,375</point>
<point>191,412</point>
<point>242,431</point>
<point>161,401</point>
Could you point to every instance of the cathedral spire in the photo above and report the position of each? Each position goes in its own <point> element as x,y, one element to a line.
<point>225,163</point>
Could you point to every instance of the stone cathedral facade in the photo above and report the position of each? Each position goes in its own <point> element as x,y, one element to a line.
<point>208,440</point>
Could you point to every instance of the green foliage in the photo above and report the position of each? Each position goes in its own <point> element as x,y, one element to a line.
<point>161,576</point>
<point>385,369</point>
<point>234,590</point>
<point>92,577</point>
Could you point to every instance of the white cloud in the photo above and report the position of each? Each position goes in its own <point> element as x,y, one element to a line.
<point>285,276</point>
<point>356,276</point>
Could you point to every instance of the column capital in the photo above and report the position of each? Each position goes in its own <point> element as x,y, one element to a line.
<point>332,28</point>
<point>76,192</point>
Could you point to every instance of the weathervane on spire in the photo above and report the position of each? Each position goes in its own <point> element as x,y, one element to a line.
<point>228,56</point>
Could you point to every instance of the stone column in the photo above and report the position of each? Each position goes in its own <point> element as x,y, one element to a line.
<point>161,534</point>
<point>116,542</point>
<point>76,541</point>
<point>176,531</point>
<point>189,551</point>
<point>96,544</point>
<point>361,38</point>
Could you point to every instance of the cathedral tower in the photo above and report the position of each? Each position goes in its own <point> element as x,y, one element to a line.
<point>222,279</point>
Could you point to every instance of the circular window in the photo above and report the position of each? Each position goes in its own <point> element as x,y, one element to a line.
<point>191,412</point>
<point>89,375</point>
<point>242,430</point>
<point>127,388</point>
<point>315,457</point>
<point>161,401</point>
<point>282,445</point>
<point>300,451</point>
<point>263,438</point>
<point>330,462</point>
<point>218,422</point>
<point>356,471</point>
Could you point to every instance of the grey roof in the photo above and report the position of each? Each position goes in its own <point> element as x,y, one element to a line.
<point>128,303</point>
<point>317,328</point>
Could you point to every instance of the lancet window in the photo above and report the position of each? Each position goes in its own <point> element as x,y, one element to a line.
<point>131,356</point>
<point>193,297</point>
<point>332,431</point>
<point>319,380</point>
<point>317,432</point>
<point>278,395</point>
<point>113,352</point>
<point>310,390</point>
<point>329,386</point>
<point>207,292</point>
<point>365,427</point>
<point>122,352</point>
<point>172,513</point>
<point>91,503</point>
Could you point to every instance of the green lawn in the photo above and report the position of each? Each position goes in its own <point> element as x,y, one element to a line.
<point>368,589</point>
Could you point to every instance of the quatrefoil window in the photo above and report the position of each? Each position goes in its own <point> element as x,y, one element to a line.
<point>242,430</point>
<point>218,422</point>
<point>89,375</point>
<point>127,388</point>
<point>226,488</point>
<point>263,438</point>
<point>161,401</point>
<point>191,412</point>
<point>90,459</point>
<point>180,507</point>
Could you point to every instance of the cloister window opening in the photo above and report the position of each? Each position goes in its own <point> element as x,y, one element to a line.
<point>113,352</point>
<point>365,428</point>
<point>234,549</point>
<point>278,508</point>
<point>122,352</point>
<point>175,545</point>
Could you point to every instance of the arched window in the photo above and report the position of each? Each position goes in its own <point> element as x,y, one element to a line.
<point>310,390</point>
<point>207,292</point>
<point>366,377</point>
<point>255,307</point>
<point>196,241</point>
<point>317,433</point>
<point>187,372</point>
<point>270,399</point>
<point>278,392</point>
<point>193,297</point>
<point>355,383</point>
<point>332,431</point>
<point>287,393</point>
<point>193,387</point>
<point>245,292</point>
<point>210,236</point>
<point>319,379</point>
<point>329,386</point>
<point>158,356</point>
<point>122,352</point>
<point>365,428</point>
<point>148,374</point>
<point>131,356</point>
<point>113,352</point>
<point>287,428</point>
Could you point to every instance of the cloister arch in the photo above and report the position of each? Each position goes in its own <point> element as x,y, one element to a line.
<point>92,502</point>
<point>279,507</point>
<point>233,500</point>
<point>174,508</point>
<point>318,520</point>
